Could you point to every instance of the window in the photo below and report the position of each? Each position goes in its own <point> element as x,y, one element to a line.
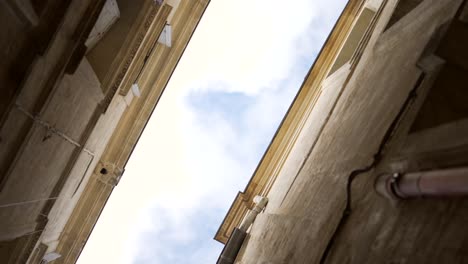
<point>403,7</point>
<point>447,99</point>
<point>353,40</point>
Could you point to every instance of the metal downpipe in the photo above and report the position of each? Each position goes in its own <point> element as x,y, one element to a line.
<point>451,182</point>
<point>238,235</point>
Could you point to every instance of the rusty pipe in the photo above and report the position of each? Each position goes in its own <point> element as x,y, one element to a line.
<point>436,183</point>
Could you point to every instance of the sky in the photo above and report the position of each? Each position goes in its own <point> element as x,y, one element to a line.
<point>221,108</point>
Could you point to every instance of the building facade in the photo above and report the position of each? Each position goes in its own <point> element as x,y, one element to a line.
<point>387,95</point>
<point>80,80</point>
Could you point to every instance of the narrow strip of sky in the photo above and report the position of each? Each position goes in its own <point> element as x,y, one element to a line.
<point>232,87</point>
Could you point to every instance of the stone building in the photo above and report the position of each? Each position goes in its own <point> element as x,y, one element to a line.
<point>79,81</point>
<point>380,119</point>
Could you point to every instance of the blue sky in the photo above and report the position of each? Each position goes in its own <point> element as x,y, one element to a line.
<point>229,93</point>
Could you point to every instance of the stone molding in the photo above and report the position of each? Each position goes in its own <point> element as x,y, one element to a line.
<point>125,136</point>
<point>292,125</point>
<point>145,44</point>
<point>122,77</point>
<point>108,173</point>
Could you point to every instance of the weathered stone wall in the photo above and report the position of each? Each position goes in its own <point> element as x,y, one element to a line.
<point>126,132</point>
<point>54,136</point>
<point>45,113</point>
<point>82,170</point>
<point>54,130</point>
<point>304,222</point>
<point>57,169</point>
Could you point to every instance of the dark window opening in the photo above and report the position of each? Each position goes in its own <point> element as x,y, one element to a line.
<point>447,100</point>
<point>402,9</point>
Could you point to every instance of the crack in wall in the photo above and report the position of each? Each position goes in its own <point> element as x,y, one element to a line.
<point>377,157</point>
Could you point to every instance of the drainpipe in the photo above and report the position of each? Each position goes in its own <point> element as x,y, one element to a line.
<point>428,184</point>
<point>260,203</point>
<point>238,235</point>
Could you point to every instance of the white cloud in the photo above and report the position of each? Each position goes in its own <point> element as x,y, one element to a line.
<point>192,158</point>
<point>252,44</point>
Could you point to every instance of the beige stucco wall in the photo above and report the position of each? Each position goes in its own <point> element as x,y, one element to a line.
<point>54,142</point>
<point>306,204</point>
<point>44,158</point>
<point>330,90</point>
<point>82,170</point>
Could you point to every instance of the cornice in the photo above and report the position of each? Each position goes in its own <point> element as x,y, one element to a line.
<point>293,123</point>
<point>125,136</point>
<point>114,80</point>
<point>153,27</point>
